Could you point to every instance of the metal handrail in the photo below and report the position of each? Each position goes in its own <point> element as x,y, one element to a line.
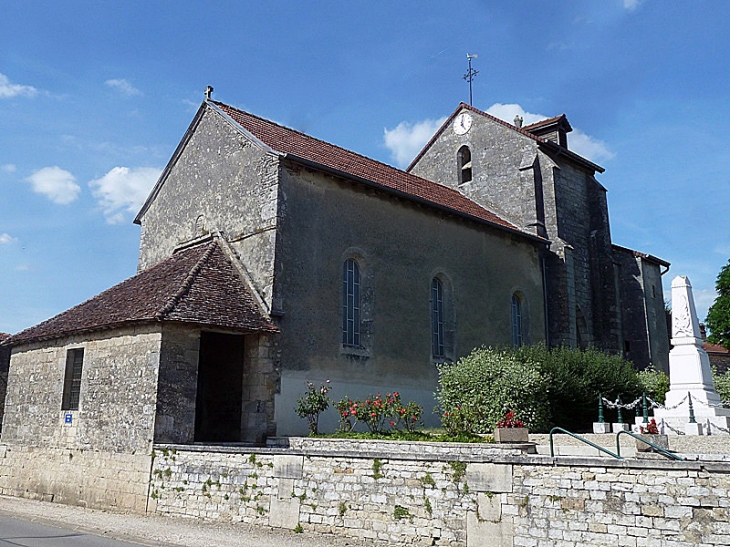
<point>594,445</point>
<point>663,451</point>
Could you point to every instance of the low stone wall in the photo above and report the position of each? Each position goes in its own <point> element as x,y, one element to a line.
<point>464,495</point>
<point>104,480</point>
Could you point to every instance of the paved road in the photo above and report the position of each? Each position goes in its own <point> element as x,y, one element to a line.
<point>66,526</point>
<point>22,533</point>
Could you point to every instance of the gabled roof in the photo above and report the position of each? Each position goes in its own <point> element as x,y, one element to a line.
<point>313,152</point>
<point>562,119</point>
<point>198,286</point>
<point>551,146</point>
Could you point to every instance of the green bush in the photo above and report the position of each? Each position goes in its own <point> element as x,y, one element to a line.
<point>575,379</point>
<point>722,384</point>
<point>654,383</point>
<point>478,390</point>
<point>544,388</point>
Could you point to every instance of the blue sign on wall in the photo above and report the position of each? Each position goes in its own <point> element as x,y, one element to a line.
<point>69,418</point>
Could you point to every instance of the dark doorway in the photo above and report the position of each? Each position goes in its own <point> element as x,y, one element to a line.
<point>220,388</point>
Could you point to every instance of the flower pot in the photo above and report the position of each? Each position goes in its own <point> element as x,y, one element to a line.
<point>511,434</point>
<point>662,441</point>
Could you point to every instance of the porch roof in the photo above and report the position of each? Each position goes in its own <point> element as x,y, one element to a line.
<point>197,286</point>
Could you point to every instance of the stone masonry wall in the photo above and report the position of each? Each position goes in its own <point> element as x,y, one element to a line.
<point>455,495</point>
<point>117,399</point>
<point>98,455</point>
<point>89,478</point>
<point>221,181</point>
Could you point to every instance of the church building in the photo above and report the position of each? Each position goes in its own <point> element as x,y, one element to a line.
<point>269,258</point>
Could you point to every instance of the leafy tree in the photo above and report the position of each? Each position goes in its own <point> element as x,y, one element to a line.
<point>718,318</point>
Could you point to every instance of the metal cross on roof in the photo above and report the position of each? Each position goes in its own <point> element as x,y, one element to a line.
<point>469,76</point>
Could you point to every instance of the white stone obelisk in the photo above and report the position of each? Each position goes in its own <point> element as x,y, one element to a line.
<point>689,372</point>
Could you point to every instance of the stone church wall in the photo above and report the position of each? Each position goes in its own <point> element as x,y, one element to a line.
<point>502,167</point>
<point>118,390</point>
<point>220,181</point>
<point>448,495</point>
<point>643,320</point>
<point>551,197</point>
<point>400,247</point>
<point>59,454</point>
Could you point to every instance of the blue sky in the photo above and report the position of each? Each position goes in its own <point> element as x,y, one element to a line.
<point>94,97</point>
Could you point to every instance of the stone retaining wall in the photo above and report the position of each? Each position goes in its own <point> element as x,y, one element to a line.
<point>469,496</point>
<point>90,478</point>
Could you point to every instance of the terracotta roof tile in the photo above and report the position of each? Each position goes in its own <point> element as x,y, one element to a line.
<point>289,141</point>
<point>198,286</point>
<point>714,348</point>
<point>547,121</point>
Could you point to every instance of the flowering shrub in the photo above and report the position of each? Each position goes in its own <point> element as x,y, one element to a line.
<point>458,420</point>
<point>651,428</point>
<point>378,412</point>
<point>510,420</point>
<point>314,402</point>
<point>475,392</point>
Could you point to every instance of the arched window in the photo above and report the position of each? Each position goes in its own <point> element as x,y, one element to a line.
<point>437,318</point>
<point>517,336</point>
<point>464,164</point>
<point>351,303</point>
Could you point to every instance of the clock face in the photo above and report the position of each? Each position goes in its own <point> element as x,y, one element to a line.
<point>462,123</point>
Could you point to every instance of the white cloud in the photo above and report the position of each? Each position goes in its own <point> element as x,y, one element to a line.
<point>8,90</point>
<point>56,184</point>
<point>631,5</point>
<point>124,87</point>
<point>589,147</point>
<point>122,191</point>
<point>580,143</point>
<point>406,140</point>
<point>507,112</point>
<point>9,168</point>
<point>7,238</point>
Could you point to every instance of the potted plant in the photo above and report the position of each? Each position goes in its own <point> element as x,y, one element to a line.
<point>651,434</point>
<point>511,429</point>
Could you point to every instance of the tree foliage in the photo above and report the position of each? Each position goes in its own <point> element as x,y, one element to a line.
<point>718,318</point>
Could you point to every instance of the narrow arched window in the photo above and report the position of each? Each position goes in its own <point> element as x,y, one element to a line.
<point>464,164</point>
<point>437,318</point>
<point>351,303</point>
<point>517,336</point>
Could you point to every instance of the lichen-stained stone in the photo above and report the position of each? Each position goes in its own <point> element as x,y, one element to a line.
<point>489,477</point>
<point>288,467</point>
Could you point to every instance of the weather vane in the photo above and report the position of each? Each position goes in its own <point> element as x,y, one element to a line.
<point>469,76</point>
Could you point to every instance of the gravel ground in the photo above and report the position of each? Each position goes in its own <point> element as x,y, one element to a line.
<point>160,531</point>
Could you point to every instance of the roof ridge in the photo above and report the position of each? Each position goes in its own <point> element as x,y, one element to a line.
<point>546,120</point>
<point>186,284</point>
<point>322,141</point>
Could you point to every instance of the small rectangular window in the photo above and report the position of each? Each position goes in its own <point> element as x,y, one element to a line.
<point>72,379</point>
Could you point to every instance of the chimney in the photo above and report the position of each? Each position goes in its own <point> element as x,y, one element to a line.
<point>518,121</point>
